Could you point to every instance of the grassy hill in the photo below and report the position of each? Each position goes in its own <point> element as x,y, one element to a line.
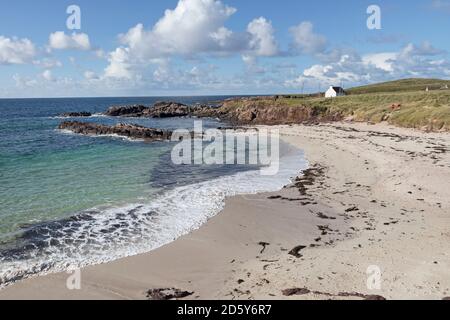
<point>404,85</point>
<point>403,103</point>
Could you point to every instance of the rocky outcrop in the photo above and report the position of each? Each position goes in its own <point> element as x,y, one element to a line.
<point>126,111</point>
<point>161,110</point>
<point>75,114</point>
<point>168,110</point>
<point>238,111</point>
<point>270,111</point>
<point>124,130</point>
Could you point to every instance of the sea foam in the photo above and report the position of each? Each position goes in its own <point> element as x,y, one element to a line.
<point>102,235</point>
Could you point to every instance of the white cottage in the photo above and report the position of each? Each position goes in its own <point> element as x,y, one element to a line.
<point>334,92</point>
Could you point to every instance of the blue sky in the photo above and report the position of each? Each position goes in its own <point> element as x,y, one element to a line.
<point>209,47</point>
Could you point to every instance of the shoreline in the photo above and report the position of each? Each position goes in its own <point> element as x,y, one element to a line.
<point>368,208</point>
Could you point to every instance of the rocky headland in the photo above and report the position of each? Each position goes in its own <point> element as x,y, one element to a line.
<point>237,111</point>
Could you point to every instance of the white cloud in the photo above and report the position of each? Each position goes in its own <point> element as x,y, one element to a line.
<point>90,75</point>
<point>192,28</point>
<point>424,49</point>
<point>263,40</point>
<point>61,41</point>
<point>252,66</point>
<point>16,51</point>
<point>100,53</point>
<point>119,66</point>
<point>23,82</point>
<point>410,61</point>
<point>48,63</point>
<point>383,61</point>
<point>306,40</point>
<point>47,75</point>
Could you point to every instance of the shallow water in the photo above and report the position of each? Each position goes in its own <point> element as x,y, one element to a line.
<point>69,200</point>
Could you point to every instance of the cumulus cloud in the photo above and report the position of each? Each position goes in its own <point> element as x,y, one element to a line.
<point>262,37</point>
<point>383,60</point>
<point>16,51</point>
<point>119,66</point>
<point>306,40</point>
<point>410,61</point>
<point>424,49</point>
<point>192,28</point>
<point>61,41</point>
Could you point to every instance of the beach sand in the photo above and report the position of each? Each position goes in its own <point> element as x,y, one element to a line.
<point>376,198</point>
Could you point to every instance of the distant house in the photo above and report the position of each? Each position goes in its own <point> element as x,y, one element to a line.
<point>334,92</point>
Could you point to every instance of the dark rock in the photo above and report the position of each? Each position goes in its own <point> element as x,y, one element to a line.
<point>75,114</point>
<point>126,111</point>
<point>167,294</point>
<point>124,130</point>
<point>162,110</point>
<point>168,110</point>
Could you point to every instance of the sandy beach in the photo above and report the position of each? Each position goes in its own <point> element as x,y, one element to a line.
<point>376,197</point>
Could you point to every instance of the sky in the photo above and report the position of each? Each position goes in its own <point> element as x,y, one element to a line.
<point>212,47</point>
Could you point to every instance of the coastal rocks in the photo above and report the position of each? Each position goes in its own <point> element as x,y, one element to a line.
<point>168,110</point>
<point>237,111</point>
<point>126,111</point>
<point>75,114</point>
<point>123,130</point>
<point>160,110</point>
<point>167,294</point>
<point>271,111</point>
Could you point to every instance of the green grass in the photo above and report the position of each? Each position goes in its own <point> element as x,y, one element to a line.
<point>419,109</point>
<point>372,103</point>
<point>404,85</point>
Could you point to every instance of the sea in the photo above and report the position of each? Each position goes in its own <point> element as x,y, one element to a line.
<point>68,201</point>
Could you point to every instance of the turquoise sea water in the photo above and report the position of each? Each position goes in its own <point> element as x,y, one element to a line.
<point>70,200</point>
